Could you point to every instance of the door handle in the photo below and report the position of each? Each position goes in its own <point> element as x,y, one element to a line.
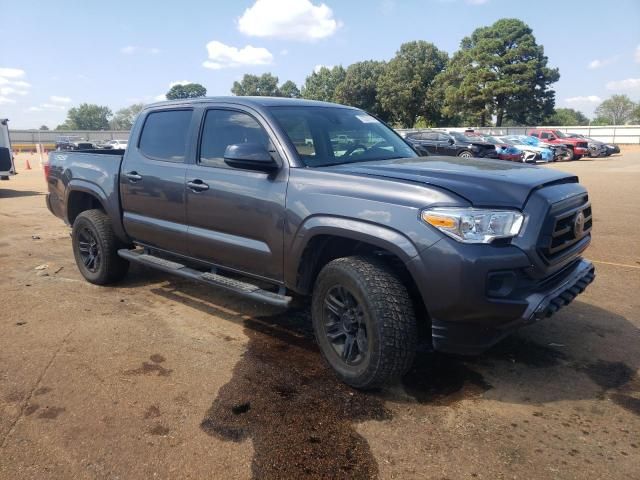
<point>197,185</point>
<point>133,176</point>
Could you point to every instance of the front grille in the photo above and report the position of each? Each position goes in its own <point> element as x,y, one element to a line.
<point>567,228</point>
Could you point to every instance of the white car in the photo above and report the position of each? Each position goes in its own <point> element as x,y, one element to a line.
<point>117,144</point>
<point>6,155</point>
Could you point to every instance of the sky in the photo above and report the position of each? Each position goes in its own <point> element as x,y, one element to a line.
<point>57,54</point>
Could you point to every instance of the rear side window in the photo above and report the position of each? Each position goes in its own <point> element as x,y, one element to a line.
<point>164,135</point>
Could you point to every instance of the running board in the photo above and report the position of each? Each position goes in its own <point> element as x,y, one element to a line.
<point>214,279</point>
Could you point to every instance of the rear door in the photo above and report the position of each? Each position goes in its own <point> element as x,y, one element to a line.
<point>236,217</point>
<point>430,141</point>
<point>446,146</point>
<point>152,180</point>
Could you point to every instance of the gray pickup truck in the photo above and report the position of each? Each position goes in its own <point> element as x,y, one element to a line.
<point>253,196</point>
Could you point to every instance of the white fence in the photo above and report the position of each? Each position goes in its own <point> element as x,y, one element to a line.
<point>620,134</point>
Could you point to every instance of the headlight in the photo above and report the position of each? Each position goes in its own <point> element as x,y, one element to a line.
<point>471,225</point>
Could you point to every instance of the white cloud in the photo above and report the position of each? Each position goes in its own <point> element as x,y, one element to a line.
<point>34,109</point>
<point>10,85</point>
<point>6,91</point>
<point>637,54</point>
<point>225,56</point>
<point>160,98</point>
<point>319,67</point>
<point>132,49</point>
<point>56,99</point>
<point>292,19</point>
<point>52,106</point>
<point>589,99</point>
<point>597,63</point>
<point>477,2</point>
<point>11,72</point>
<point>626,85</point>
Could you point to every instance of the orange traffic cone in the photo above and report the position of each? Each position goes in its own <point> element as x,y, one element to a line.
<point>28,165</point>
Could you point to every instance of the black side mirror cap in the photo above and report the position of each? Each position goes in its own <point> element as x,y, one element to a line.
<point>249,156</point>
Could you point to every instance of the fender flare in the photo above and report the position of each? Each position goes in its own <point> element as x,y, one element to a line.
<point>354,229</point>
<point>79,185</point>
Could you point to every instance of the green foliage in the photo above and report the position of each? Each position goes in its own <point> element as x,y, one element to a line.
<point>289,89</point>
<point>499,70</point>
<point>322,85</point>
<point>405,84</point>
<point>636,114</point>
<point>617,110</point>
<point>190,90</point>
<point>600,121</point>
<point>43,127</point>
<point>568,117</point>
<point>265,85</point>
<point>87,117</point>
<point>124,118</point>
<point>360,87</point>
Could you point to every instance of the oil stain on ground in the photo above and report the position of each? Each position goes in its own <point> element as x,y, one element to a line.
<point>300,418</point>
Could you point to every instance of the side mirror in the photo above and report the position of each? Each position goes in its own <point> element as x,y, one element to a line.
<point>250,156</point>
<point>451,141</point>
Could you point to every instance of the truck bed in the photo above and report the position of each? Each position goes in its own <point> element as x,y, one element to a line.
<point>92,171</point>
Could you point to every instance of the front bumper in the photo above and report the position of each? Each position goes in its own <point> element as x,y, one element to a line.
<point>580,151</point>
<point>474,338</point>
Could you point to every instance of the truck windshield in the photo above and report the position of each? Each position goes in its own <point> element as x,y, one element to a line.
<point>326,136</point>
<point>559,134</point>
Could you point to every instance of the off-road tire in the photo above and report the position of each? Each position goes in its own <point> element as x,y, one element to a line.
<point>389,316</point>
<point>111,267</point>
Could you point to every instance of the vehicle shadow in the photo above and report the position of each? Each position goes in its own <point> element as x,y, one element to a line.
<point>8,193</point>
<point>301,419</point>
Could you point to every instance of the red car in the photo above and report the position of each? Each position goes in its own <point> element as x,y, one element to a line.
<point>578,146</point>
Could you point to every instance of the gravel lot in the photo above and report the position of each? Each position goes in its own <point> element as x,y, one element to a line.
<point>161,378</point>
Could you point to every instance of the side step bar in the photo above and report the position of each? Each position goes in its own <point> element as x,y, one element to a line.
<point>231,284</point>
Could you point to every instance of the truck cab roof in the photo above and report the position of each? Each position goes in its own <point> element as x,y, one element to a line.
<point>256,102</point>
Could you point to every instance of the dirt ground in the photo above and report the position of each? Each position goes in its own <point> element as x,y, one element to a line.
<point>161,378</point>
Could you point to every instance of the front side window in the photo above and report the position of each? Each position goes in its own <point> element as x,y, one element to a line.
<point>164,135</point>
<point>228,127</point>
<point>335,135</point>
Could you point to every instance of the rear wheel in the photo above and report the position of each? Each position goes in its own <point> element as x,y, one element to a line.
<point>465,154</point>
<point>364,321</point>
<point>95,248</point>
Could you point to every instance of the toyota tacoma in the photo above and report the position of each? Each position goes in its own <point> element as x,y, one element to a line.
<point>394,250</point>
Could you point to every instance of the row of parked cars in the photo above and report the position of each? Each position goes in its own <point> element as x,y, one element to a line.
<point>540,145</point>
<point>73,142</point>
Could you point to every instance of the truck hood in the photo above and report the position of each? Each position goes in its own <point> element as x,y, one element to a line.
<point>482,182</point>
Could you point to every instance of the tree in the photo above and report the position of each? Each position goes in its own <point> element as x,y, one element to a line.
<point>499,71</point>
<point>360,87</point>
<point>265,85</point>
<point>87,116</point>
<point>407,78</point>
<point>190,90</point>
<point>322,85</point>
<point>124,118</point>
<point>568,117</point>
<point>43,127</point>
<point>289,89</point>
<point>636,114</point>
<point>618,109</point>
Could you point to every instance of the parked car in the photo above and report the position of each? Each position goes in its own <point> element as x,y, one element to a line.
<point>7,167</point>
<point>535,151</point>
<point>385,243</point>
<point>73,142</point>
<point>505,150</point>
<point>577,147</point>
<point>115,144</point>
<point>452,144</point>
<point>596,147</point>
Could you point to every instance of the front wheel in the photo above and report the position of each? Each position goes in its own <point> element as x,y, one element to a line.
<point>465,154</point>
<point>95,248</point>
<point>364,321</point>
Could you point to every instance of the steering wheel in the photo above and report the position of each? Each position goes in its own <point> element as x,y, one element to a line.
<point>353,148</point>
